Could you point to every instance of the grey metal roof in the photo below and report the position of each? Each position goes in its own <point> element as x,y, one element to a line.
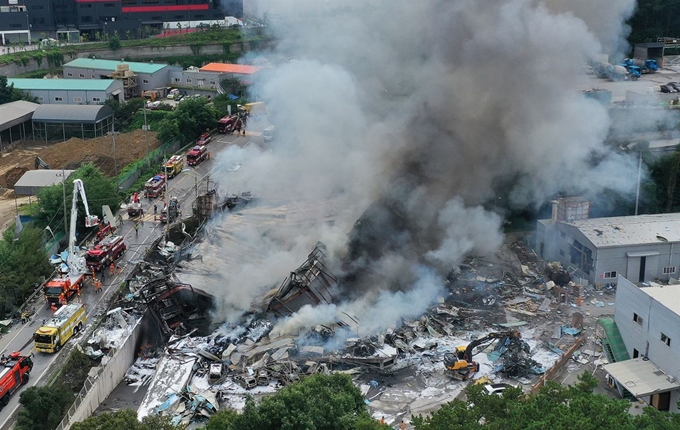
<point>629,230</point>
<point>15,113</point>
<point>72,113</point>
<point>641,377</point>
<point>33,180</point>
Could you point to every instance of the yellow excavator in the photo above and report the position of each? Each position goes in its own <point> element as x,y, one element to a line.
<point>459,365</point>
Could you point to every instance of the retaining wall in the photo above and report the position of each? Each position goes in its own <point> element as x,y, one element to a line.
<point>98,388</point>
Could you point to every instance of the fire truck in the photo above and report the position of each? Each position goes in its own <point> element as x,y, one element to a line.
<point>197,154</point>
<point>230,124</point>
<point>134,209</point>
<point>64,324</point>
<point>59,291</point>
<point>100,256</point>
<point>174,166</point>
<point>204,139</point>
<point>154,186</point>
<point>14,373</point>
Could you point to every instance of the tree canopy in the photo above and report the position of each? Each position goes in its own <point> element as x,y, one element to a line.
<point>8,93</point>
<point>44,407</point>
<point>100,190</point>
<point>127,420</point>
<point>555,407</point>
<point>191,118</point>
<point>318,402</point>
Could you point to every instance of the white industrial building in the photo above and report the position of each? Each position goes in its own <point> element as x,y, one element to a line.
<point>640,248</point>
<point>648,320</point>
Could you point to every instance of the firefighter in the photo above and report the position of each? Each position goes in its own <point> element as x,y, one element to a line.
<point>62,299</point>
<point>53,306</point>
<point>119,268</point>
<point>112,269</point>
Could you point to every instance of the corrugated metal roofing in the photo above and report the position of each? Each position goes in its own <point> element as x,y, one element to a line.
<point>32,181</point>
<point>62,84</point>
<point>72,113</point>
<point>15,113</point>
<point>230,68</point>
<point>110,65</point>
<point>629,230</point>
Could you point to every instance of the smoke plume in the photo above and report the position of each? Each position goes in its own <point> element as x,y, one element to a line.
<point>423,112</point>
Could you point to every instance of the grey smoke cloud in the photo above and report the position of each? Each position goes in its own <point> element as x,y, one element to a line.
<point>429,108</point>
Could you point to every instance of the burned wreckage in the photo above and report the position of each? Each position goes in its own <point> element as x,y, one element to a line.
<point>203,369</point>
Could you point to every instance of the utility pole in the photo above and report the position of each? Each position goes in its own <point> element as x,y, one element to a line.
<point>115,157</point>
<point>637,192</point>
<point>146,133</point>
<point>63,190</point>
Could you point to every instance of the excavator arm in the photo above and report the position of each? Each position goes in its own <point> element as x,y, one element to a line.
<point>488,338</point>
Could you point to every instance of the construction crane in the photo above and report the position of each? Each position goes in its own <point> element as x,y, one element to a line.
<point>77,264</point>
<point>459,365</point>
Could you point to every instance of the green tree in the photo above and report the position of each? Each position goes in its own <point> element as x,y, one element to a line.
<point>114,42</point>
<point>191,118</point>
<point>8,93</point>
<point>100,190</point>
<point>126,419</point>
<point>44,407</point>
<point>318,402</point>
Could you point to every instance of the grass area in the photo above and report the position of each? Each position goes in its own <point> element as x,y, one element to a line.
<point>55,56</point>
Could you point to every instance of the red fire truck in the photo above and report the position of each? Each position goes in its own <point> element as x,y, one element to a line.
<point>134,208</point>
<point>197,154</point>
<point>100,256</point>
<point>204,139</point>
<point>60,290</point>
<point>230,124</point>
<point>14,373</point>
<point>154,186</point>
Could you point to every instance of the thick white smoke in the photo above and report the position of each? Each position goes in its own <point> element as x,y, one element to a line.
<point>429,108</point>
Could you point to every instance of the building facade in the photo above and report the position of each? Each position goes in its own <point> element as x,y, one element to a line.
<point>648,319</point>
<point>70,91</point>
<point>641,249</point>
<point>142,76</point>
<point>23,20</point>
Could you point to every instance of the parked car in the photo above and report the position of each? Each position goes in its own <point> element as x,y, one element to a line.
<point>496,388</point>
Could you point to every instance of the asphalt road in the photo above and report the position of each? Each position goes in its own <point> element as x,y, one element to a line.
<point>182,186</point>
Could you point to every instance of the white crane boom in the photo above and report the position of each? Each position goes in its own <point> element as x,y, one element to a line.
<point>76,264</point>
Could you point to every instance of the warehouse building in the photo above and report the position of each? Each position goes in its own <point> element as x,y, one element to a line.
<point>648,320</point>
<point>15,120</point>
<point>136,77</point>
<point>640,248</point>
<point>70,91</point>
<point>61,122</point>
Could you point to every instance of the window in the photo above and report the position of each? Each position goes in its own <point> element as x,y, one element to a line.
<point>665,339</point>
<point>96,99</point>
<point>92,76</point>
<point>86,19</point>
<point>77,99</point>
<point>40,99</point>
<point>58,99</point>
<point>636,353</point>
<point>582,257</point>
<point>82,75</point>
<point>637,318</point>
<point>70,75</point>
<point>669,270</point>
<point>562,252</point>
<point>109,4</point>
<point>176,80</point>
<point>85,5</point>
<point>146,81</point>
<point>610,275</point>
<point>212,82</point>
<point>21,25</point>
<point>188,80</point>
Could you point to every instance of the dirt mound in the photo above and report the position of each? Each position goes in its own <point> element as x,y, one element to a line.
<point>75,152</point>
<point>12,176</point>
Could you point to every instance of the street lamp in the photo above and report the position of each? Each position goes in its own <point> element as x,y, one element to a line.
<point>115,158</point>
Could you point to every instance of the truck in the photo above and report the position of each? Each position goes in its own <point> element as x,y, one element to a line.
<point>170,211</point>
<point>645,65</point>
<point>230,124</point>
<point>66,322</point>
<point>134,208</point>
<point>100,256</point>
<point>58,291</point>
<point>612,72</point>
<point>197,154</point>
<point>14,373</point>
<point>204,139</point>
<point>174,166</point>
<point>154,186</point>
<point>151,96</point>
